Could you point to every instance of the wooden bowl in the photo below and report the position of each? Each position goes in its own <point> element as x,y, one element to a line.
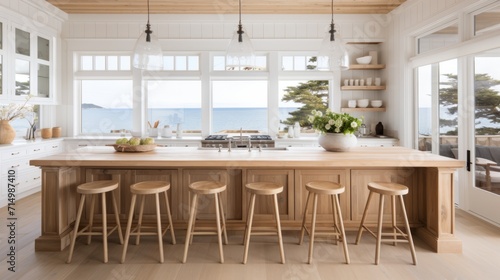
<point>133,148</point>
<point>56,132</point>
<point>46,133</point>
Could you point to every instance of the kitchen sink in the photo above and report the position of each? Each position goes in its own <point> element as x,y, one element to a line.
<point>245,149</point>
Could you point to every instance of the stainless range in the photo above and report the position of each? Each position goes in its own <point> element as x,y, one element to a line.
<point>223,140</point>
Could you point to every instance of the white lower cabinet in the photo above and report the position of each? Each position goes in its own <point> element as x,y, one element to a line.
<point>16,159</point>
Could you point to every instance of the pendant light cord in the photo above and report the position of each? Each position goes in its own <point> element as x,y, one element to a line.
<point>331,7</point>
<point>332,27</point>
<point>240,10</point>
<point>240,27</point>
<point>148,12</point>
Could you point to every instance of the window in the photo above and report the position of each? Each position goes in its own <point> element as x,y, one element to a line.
<point>443,37</point>
<point>181,63</point>
<point>298,63</point>
<point>487,21</point>
<point>298,98</point>
<point>438,83</point>
<point>175,102</point>
<point>106,105</point>
<point>239,105</point>
<point>104,62</point>
<point>220,64</point>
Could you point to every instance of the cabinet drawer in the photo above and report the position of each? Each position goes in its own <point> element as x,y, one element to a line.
<point>54,148</point>
<point>35,150</point>
<point>20,164</point>
<point>13,153</point>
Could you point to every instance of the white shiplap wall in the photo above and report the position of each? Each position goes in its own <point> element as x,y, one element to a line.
<point>34,14</point>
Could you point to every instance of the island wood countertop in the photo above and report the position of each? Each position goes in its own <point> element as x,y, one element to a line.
<point>291,157</point>
<point>429,178</point>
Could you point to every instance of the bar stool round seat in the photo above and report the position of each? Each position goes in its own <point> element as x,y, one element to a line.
<point>149,188</point>
<point>393,190</point>
<point>206,188</point>
<point>333,190</point>
<point>263,188</point>
<point>94,189</point>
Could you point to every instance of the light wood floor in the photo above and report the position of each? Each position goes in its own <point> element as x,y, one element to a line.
<point>480,258</point>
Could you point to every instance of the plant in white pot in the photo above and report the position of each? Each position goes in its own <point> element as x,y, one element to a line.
<point>337,130</point>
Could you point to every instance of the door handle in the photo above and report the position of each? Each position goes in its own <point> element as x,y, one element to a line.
<point>468,160</point>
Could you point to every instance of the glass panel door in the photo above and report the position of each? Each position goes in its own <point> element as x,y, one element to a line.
<point>485,192</point>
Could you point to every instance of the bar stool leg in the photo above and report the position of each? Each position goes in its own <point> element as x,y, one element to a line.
<point>194,220</point>
<point>129,226</point>
<point>410,239</point>
<point>223,219</point>
<point>379,229</point>
<point>360,231</point>
<point>169,216</point>
<point>117,217</point>
<point>91,218</point>
<point>75,230</point>
<point>139,223</point>
<point>190,225</point>
<point>393,210</point>
<point>278,224</point>
<point>342,230</point>
<point>248,229</point>
<point>158,225</point>
<point>104,227</point>
<point>303,227</point>
<point>335,222</point>
<point>313,229</point>
<point>219,232</point>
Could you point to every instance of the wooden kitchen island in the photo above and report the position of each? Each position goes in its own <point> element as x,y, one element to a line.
<point>429,177</point>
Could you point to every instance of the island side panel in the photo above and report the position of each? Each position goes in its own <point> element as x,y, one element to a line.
<point>439,230</point>
<point>59,199</point>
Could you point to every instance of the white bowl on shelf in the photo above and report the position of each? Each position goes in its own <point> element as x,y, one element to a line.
<point>364,59</point>
<point>363,103</point>
<point>376,103</point>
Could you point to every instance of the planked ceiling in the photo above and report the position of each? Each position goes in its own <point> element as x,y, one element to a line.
<point>226,6</point>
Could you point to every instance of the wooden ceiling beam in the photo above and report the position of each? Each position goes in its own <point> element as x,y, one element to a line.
<point>226,7</point>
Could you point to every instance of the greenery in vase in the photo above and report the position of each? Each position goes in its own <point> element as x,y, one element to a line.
<point>331,122</point>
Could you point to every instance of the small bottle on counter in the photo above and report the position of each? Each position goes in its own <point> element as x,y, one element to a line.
<point>379,129</point>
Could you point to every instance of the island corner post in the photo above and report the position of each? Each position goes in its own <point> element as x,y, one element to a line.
<point>430,179</point>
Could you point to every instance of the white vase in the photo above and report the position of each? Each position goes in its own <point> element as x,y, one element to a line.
<point>337,142</point>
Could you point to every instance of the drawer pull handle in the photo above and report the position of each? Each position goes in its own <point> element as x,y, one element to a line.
<point>36,150</point>
<point>36,178</point>
<point>13,154</point>
<point>14,166</point>
<point>54,147</point>
<point>82,145</point>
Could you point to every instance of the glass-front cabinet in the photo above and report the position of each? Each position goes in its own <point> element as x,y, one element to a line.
<point>25,65</point>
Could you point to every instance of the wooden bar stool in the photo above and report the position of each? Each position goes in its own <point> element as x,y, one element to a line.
<point>392,189</point>
<point>263,188</point>
<point>147,188</point>
<point>206,188</point>
<point>333,190</point>
<point>94,189</point>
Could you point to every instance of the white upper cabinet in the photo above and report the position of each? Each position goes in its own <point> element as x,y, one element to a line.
<point>26,64</point>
